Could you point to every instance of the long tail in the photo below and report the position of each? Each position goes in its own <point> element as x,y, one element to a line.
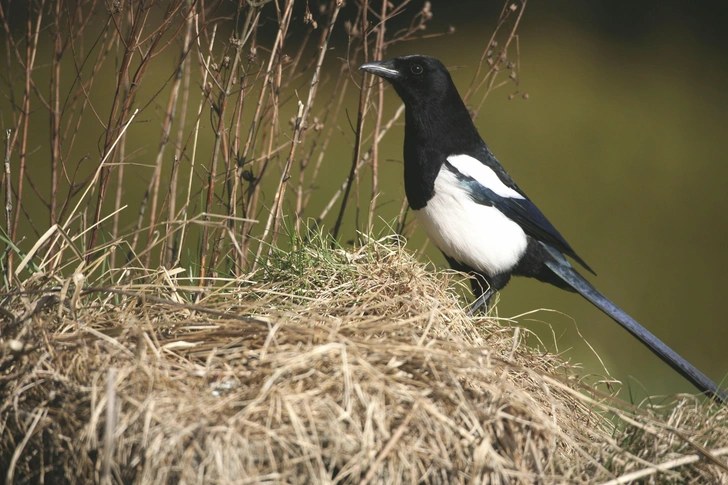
<point>669,356</point>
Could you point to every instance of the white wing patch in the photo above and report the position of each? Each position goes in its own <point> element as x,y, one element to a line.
<point>473,234</point>
<point>471,167</point>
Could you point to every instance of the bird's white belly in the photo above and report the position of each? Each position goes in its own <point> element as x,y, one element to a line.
<point>476,235</point>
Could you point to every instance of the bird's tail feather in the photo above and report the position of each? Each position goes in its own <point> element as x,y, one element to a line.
<point>669,356</point>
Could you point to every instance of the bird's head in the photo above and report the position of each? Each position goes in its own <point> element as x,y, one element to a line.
<point>413,77</point>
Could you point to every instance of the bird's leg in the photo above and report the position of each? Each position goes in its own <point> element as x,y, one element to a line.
<point>482,295</point>
<point>479,283</point>
<point>482,301</point>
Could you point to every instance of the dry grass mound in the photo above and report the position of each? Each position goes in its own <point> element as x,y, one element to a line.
<point>326,366</point>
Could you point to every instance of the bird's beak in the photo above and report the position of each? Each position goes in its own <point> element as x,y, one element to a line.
<point>383,69</point>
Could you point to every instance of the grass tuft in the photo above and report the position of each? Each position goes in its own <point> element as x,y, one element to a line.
<point>326,366</point>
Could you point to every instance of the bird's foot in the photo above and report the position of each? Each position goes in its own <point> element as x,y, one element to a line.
<point>481,303</point>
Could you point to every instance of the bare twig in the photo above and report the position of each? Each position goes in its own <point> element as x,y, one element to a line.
<point>397,115</point>
<point>494,61</point>
<point>379,54</point>
<point>275,215</point>
<point>323,47</point>
<point>363,102</point>
<point>7,180</point>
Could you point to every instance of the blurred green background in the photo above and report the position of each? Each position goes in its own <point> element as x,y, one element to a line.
<point>621,143</point>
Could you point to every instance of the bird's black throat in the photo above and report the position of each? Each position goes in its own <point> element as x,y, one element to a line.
<point>435,128</point>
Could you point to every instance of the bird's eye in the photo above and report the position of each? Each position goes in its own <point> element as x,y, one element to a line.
<point>416,69</point>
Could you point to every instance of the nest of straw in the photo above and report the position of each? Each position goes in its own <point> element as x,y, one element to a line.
<point>328,366</point>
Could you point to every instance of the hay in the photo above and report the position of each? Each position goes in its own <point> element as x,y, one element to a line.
<point>327,366</point>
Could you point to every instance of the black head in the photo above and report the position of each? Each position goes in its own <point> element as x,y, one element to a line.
<point>436,117</point>
<point>414,77</point>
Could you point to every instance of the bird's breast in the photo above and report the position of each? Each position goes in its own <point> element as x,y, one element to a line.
<point>476,235</point>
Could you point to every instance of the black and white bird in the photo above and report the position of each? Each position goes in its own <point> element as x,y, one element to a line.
<point>475,213</point>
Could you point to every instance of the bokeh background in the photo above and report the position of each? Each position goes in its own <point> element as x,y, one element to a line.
<point>621,142</point>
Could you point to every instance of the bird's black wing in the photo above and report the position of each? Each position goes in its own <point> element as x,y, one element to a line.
<point>522,211</point>
<point>535,224</point>
<point>486,157</point>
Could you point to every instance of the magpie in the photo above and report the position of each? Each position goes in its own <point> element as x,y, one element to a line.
<point>474,212</point>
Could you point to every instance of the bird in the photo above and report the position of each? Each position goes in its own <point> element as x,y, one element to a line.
<point>476,214</point>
